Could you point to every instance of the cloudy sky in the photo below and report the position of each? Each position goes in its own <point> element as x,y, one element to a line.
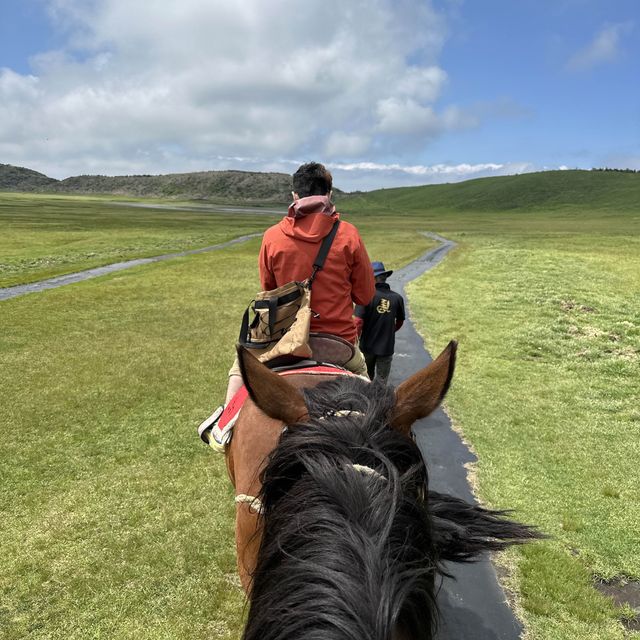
<point>386,92</point>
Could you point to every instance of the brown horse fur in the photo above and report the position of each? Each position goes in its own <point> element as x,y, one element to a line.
<point>275,402</point>
<point>422,393</point>
<point>255,435</point>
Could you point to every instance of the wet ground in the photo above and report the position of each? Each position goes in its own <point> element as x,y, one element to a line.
<point>473,606</point>
<point>624,592</point>
<point>203,208</point>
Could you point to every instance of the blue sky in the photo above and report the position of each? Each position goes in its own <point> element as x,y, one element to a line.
<point>575,110</point>
<point>386,92</point>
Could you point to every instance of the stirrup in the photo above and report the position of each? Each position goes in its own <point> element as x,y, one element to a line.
<point>206,427</point>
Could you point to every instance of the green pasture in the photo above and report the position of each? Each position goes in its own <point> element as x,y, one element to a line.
<point>116,521</point>
<point>44,236</point>
<point>546,307</point>
<point>547,394</point>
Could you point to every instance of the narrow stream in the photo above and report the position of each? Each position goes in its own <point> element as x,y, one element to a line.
<point>79,276</point>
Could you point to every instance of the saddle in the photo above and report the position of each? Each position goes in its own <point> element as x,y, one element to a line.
<point>330,354</point>
<point>331,349</point>
<point>326,349</point>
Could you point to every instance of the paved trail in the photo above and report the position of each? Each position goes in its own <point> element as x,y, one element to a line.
<point>79,276</point>
<point>473,606</point>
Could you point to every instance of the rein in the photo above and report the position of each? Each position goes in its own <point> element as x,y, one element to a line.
<point>256,505</point>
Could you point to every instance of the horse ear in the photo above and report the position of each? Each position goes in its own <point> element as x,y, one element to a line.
<point>271,392</point>
<point>421,394</point>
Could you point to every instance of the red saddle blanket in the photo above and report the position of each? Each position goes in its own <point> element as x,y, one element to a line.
<point>221,432</point>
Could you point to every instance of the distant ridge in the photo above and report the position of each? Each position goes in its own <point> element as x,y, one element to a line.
<point>610,189</point>
<point>549,190</point>
<point>241,186</point>
<point>21,179</point>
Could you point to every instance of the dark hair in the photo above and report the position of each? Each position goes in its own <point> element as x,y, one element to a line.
<point>312,179</point>
<point>346,554</point>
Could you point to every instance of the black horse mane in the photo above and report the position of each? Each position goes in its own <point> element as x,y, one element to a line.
<point>348,554</point>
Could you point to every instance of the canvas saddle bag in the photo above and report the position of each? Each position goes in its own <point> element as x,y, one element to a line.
<point>278,322</point>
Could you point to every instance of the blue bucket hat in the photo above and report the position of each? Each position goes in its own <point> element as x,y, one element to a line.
<point>379,270</point>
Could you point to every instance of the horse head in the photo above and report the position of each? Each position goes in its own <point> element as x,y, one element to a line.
<point>351,538</point>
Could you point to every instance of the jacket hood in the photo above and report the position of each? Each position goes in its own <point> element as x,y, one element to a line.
<point>309,219</point>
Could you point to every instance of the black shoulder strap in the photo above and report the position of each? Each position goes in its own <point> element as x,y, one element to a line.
<point>323,252</point>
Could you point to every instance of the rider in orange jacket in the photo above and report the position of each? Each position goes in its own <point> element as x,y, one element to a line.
<point>290,247</point>
<point>288,251</point>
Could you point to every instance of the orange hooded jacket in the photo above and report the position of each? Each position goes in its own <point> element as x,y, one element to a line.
<point>289,249</point>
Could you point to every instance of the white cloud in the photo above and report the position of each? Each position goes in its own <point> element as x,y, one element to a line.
<point>405,116</point>
<point>419,170</point>
<point>373,175</point>
<point>351,145</point>
<point>409,118</point>
<point>461,171</point>
<point>423,84</point>
<point>605,47</point>
<point>169,86</point>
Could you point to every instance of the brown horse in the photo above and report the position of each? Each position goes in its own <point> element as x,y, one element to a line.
<point>337,534</point>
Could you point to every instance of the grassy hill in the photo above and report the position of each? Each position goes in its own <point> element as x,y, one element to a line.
<point>235,186</point>
<point>548,190</point>
<point>211,185</point>
<point>21,179</point>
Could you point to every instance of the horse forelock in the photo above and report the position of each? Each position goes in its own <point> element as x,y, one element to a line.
<point>374,399</point>
<point>344,554</point>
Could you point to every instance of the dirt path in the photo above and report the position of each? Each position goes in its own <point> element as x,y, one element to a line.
<point>473,606</point>
<point>79,276</point>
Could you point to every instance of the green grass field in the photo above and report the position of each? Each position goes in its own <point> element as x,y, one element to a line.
<point>117,522</point>
<point>45,236</point>
<point>546,393</point>
<point>546,307</point>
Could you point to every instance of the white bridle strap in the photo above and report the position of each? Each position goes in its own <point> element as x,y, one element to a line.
<point>341,413</point>
<point>368,471</point>
<point>253,502</point>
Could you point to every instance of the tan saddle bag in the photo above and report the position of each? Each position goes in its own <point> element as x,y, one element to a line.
<point>281,318</point>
